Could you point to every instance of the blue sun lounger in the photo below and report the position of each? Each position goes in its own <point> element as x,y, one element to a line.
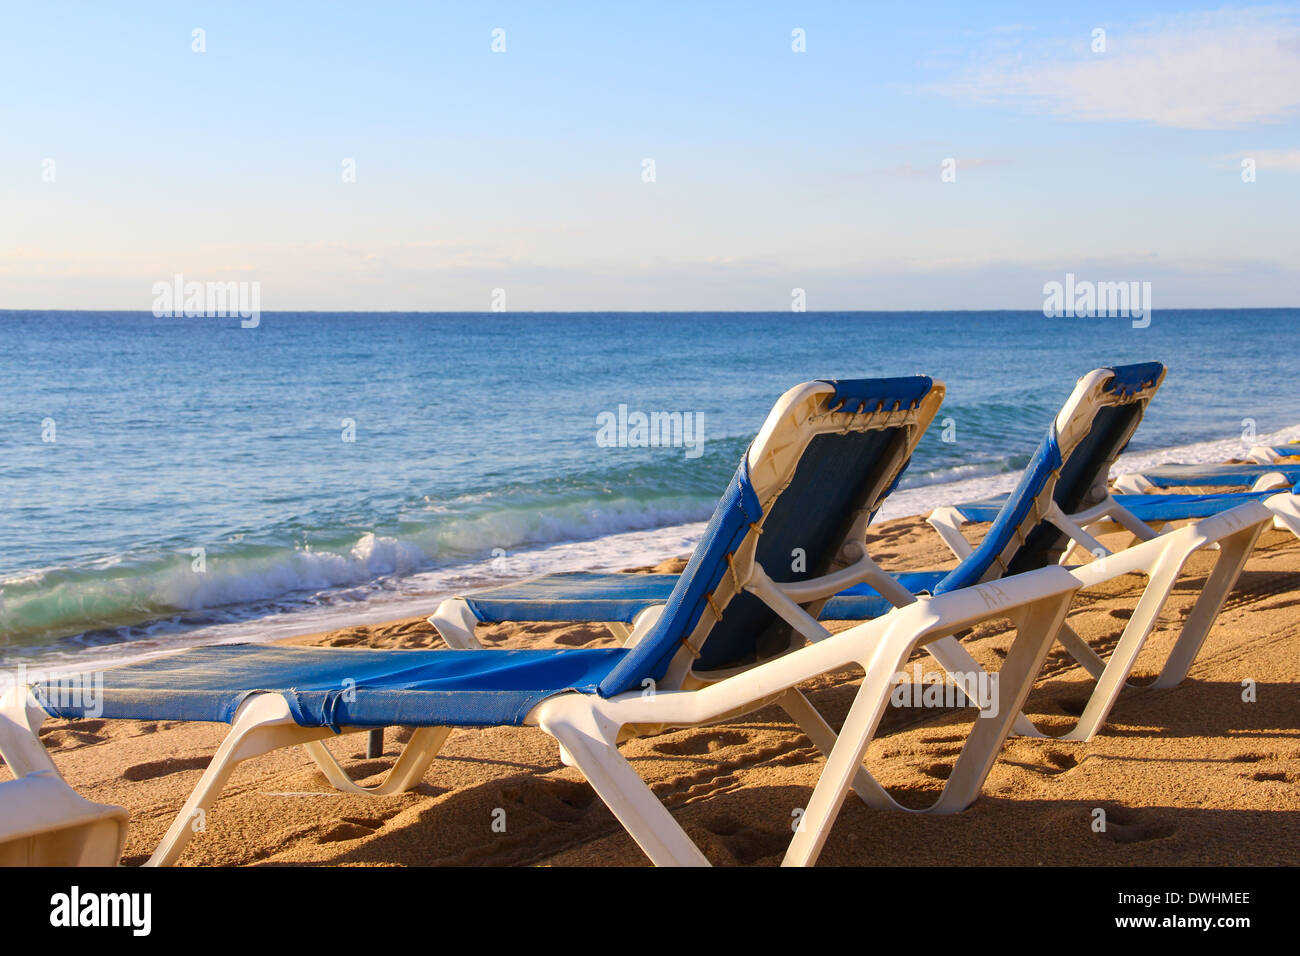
<point>1032,528</point>
<point>1258,477</point>
<point>1099,419</point>
<point>1151,509</point>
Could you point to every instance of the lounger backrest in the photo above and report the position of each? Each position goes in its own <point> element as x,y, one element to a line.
<point>826,457</point>
<point>1071,467</point>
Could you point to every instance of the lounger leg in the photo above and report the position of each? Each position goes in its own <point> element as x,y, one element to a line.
<point>455,622</point>
<point>409,769</point>
<point>587,742</point>
<point>20,726</point>
<point>947,521</point>
<point>1084,655</point>
<point>1227,568</point>
<point>845,759</point>
<point>1164,575</point>
<point>805,715</point>
<point>1036,628</point>
<point>957,661</point>
<point>263,723</point>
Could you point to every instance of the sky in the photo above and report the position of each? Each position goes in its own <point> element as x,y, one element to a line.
<point>128,155</point>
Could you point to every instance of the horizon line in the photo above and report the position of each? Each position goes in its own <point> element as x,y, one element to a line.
<point>1039,311</point>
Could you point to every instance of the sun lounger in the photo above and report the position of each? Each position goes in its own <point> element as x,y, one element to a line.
<point>1256,477</point>
<point>1035,525</point>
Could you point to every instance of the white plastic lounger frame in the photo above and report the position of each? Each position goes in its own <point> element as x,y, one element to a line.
<point>43,821</point>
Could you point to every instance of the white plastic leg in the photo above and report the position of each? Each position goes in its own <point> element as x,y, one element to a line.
<point>1140,529</point>
<point>1037,628</point>
<point>1084,655</point>
<point>1234,551</point>
<point>1131,485</point>
<point>263,723</point>
<point>1115,676</point>
<point>20,726</point>
<point>958,663</point>
<point>46,822</point>
<point>405,773</point>
<point>587,742</point>
<point>947,521</point>
<point>455,622</point>
<point>1270,481</point>
<point>803,713</point>
<point>642,624</point>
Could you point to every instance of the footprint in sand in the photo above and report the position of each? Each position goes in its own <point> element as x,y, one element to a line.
<point>698,745</point>
<point>1264,775</point>
<point>1124,825</point>
<point>350,828</point>
<point>68,738</point>
<point>746,844</point>
<point>1058,761</point>
<point>350,638</point>
<point>577,637</point>
<point>945,752</point>
<point>561,801</point>
<point>938,771</point>
<point>161,768</point>
<point>947,739</point>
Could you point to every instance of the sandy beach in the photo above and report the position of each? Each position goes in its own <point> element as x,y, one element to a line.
<point>1190,775</point>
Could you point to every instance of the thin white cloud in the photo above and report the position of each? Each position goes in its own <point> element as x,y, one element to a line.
<point>1218,70</point>
<point>1270,160</point>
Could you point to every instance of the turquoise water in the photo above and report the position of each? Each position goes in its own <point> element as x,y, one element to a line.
<point>476,434</point>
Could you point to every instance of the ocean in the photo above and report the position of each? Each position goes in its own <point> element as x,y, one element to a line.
<point>171,481</point>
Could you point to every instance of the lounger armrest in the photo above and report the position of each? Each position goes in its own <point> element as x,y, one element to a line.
<point>862,571</point>
<point>785,598</point>
<point>1131,484</point>
<point>947,521</point>
<point>1175,545</point>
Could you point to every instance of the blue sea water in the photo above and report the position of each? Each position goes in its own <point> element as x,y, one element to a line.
<point>128,442</point>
